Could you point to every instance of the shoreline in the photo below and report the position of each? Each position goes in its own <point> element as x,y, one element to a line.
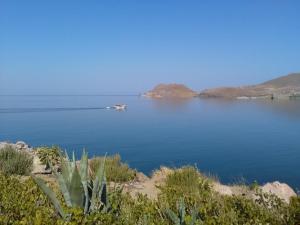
<point>148,185</point>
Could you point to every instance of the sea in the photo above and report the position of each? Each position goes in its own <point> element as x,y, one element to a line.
<point>236,141</point>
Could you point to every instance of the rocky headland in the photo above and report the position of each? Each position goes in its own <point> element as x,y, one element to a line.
<point>285,87</point>
<point>171,91</point>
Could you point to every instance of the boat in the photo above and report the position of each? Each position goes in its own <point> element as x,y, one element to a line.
<point>120,107</point>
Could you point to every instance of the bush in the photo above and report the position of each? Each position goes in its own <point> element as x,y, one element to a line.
<point>23,203</point>
<point>212,208</point>
<point>49,154</point>
<point>186,183</point>
<point>294,209</point>
<point>116,170</point>
<point>15,162</point>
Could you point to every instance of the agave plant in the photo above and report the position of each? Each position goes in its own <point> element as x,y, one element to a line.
<point>76,186</point>
<point>180,220</point>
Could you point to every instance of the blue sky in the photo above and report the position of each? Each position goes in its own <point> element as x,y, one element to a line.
<point>94,47</point>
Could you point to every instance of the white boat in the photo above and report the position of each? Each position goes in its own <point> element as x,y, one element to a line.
<point>120,107</point>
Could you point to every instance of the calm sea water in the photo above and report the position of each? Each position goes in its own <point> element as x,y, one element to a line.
<point>250,140</point>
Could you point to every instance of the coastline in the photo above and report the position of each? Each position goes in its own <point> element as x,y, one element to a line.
<point>142,184</point>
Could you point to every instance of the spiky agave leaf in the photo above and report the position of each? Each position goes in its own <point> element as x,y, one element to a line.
<point>63,186</point>
<point>194,217</point>
<point>76,190</point>
<point>103,195</point>
<point>66,169</point>
<point>51,195</point>
<point>97,184</point>
<point>73,162</point>
<point>181,209</point>
<point>145,220</point>
<point>83,170</point>
<point>174,218</point>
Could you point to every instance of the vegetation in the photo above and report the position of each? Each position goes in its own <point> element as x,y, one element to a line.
<point>187,183</point>
<point>181,219</point>
<point>14,162</point>
<point>21,202</point>
<point>116,170</point>
<point>77,188</point>
<point>186,198</point>
<point>49,155</point>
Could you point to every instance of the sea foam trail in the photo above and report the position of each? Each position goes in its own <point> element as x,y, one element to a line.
<point>25,110</point>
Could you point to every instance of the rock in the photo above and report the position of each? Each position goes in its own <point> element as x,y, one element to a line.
<point>281,190</point>
<point>38,167</point>
<point>140,177</point>
<point>159,176</point>
<point>21,145</point>
<point>138,186</point>
<point>222,189</point>
<point>3,144</point>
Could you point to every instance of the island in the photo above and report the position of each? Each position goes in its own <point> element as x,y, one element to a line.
<point>285,87</point>
<point>171,91</point>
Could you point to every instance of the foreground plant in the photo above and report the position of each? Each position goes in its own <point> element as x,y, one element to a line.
<point>76,186</point>
<point>14,162</point>
<point>115,169</point>
<point>49,155</point>
<point>181,218</point>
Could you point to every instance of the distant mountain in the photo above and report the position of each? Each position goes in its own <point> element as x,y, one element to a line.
<point>292,80</point>
<point>171,91</point>
<point>282,87</point>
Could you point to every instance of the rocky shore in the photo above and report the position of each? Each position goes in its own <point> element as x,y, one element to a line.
<point>143,184</point>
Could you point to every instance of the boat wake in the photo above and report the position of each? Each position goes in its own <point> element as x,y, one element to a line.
<point>59,109</point>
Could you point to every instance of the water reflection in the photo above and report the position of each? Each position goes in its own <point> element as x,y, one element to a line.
<point>171,104</point>
<point>289,108</point>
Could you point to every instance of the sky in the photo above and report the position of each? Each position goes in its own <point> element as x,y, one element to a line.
<point>127,47</point>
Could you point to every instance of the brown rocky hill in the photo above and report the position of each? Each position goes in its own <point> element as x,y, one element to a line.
<point>171,91</point>
<point>292,80</point>
<point>282,87</point>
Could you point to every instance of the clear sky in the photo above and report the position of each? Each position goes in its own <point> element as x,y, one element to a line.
<point>94,47</point>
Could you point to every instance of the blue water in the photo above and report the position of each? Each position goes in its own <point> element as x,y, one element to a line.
<point>249,140</point>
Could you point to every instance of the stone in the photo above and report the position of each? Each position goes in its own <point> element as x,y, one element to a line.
<point>38,167</point>
<point>140,177</point>
<point>21,145</point>
<point>222,189</point>
<point>3,144</point>
<point>281,190</point>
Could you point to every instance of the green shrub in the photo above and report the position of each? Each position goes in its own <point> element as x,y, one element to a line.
<point>15,162</point>
<point>21,202</point>
<point>49,155</point>
<point>186,195</point>
<point>116,170</point>
<point>294,210</point>
<point>142,211</point>
<point>186,183</point>
<point>180,217</point>
<point>186,178</point>
<point>212,208</point>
